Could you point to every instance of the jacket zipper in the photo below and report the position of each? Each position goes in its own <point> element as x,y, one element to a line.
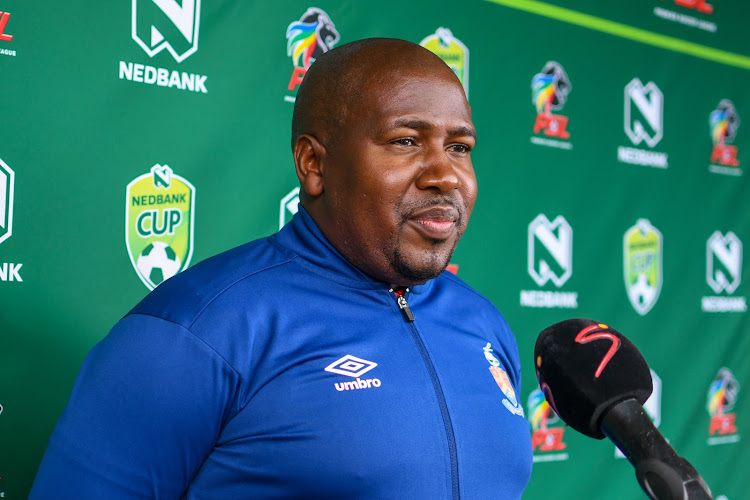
<point>403,305</point>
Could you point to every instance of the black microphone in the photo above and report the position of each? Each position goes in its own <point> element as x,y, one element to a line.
<point>596,380</point>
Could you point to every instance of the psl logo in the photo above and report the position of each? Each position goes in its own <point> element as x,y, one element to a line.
<point>699,5</point>
<point>722,396</point>
<point>549,90</point>
<point>166,24</point>
<point>4,16</point>
<point>644,107</point>
<point>7,177</point>
<point>541,416</point>
<point>550,250</point>
<point>307,39</point>
<point>452,51</point>
<point>643,265</point>
<point>724,122</point>
<point>159,216</point>
<point>723,262</point>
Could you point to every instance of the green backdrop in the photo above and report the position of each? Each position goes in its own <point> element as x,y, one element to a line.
<point>611,163</point>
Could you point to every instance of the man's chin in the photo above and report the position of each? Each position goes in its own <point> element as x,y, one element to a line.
<point>420,271</point>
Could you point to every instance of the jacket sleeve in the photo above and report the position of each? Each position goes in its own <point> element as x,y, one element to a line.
<point>145,411</point>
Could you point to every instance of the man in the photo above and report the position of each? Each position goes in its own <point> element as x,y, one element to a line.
<point>334,359</point>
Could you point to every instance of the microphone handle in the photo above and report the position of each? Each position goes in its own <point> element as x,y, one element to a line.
<point>662,473</point>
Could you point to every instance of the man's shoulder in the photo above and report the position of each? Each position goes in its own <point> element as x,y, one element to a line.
<point>182,298</point>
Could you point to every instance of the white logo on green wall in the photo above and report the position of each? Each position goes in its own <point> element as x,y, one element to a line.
<point>643,265</point>
<point>6,201</point>
<point>452,51</point>
<point>289,207</point>
<point>550,250</point>
<point>644,112</point>
<point>159,216</point>
<point>165,24</point>
<point>723,262</point>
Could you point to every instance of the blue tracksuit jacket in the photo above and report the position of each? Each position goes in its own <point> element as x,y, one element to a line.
<point>279,370</point>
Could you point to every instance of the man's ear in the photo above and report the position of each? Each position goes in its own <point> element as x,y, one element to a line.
<point>309,156</point>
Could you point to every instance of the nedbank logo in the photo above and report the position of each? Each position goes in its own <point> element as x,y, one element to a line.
<point>7,177</point>
<point>451,50</point>
<point>289,207</point>
<point>644,107</point>
<point>724,273</point>
<point>643,265</point>
<point>166,24</point>
<point>550,258</point>
<point>159,215</point>
<point>724,262</point>
<point>550,250</point>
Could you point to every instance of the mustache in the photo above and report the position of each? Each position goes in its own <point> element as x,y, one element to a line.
<point>407,210</point>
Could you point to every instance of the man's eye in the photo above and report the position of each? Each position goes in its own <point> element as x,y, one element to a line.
<point>405,141</point>
<point>459,148</point>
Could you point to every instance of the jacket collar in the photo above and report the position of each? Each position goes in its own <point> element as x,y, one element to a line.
<point>303,238</point>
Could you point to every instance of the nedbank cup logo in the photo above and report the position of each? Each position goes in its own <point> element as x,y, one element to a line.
<point>166,24</point>
<point>6,201</point>
<point>451,50</point>
<point>160,208</point>
<point>643,265</point>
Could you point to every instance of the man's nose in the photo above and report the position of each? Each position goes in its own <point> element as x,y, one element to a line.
<point>439,171</point>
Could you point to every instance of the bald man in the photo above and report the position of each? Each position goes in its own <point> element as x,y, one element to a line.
<point>334,359</point>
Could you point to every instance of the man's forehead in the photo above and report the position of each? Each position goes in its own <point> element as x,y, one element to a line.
<point>416,123</point>
<point>415,96</point>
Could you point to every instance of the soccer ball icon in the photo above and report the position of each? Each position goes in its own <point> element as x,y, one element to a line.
<point>642,294</point>
<point>157,263</point>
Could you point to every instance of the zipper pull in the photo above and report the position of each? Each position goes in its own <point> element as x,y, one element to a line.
<point>402,304</point>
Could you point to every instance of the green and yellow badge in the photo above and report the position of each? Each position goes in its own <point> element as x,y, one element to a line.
<point>450,49</point>
<point>643,265</point>
<point>159,217</point>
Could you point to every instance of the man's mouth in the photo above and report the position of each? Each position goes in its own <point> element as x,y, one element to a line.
<point>436,222</point>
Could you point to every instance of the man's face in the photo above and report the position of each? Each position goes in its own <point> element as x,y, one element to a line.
<point>399,181</point>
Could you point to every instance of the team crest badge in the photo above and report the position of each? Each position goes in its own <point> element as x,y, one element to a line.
<point>159,218</point>
<point>503,382</point>
<point>451,50</point>
<point>643,265</point>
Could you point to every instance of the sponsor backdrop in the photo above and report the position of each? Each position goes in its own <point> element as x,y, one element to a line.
<point>141,136</point>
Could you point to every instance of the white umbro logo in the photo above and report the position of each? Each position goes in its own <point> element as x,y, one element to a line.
<point>351,366</point>
<point>354,367</point>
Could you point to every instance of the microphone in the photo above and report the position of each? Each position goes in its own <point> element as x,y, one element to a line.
<point>596,380</point>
